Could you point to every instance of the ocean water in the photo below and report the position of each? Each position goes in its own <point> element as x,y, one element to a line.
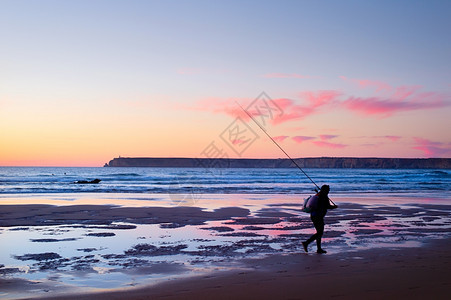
<point>138,251</point>
<point>38,180</point>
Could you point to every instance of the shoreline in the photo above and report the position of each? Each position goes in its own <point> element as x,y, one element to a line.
<point>409,273</point>
<point>68,212</point>
<point>208,200</point>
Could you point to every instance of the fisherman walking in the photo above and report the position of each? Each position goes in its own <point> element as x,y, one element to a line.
<point>318,204</point>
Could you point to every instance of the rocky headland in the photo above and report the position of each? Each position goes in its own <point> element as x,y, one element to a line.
<point>310,162</point>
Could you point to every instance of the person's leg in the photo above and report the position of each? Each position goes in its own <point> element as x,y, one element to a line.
<point>313,237</point>
<point>319,226</point>
<point>307,242</point>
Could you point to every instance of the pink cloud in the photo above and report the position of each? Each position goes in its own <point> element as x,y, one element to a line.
<point>280,138</point>
<point>385,107</point>
<point>313,101</point>
<point>401,92</point>
<point>281,110</point>
<point>401,99</point>
<point>391,100</point>
<point>285,114</point>
<point>325,144</point>
<point>278,110</point>
<point>288,75</point>
<point>231,108</point>
<point>430,148</point>
<point>320,98</point>
<point>404,92</point>
<point>300,139</point>
<point>290,110</point>
<point>324,137</point>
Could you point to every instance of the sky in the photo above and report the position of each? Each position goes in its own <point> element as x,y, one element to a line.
<point>82,82</point>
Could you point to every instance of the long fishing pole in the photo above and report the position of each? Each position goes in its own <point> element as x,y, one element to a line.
<point>299,167</point>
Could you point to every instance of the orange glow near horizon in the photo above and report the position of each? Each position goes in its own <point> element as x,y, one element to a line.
<point>92,138</point>
<point>82,86</point>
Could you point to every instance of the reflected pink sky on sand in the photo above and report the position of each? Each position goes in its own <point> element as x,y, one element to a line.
<point>129,250</point>
<point>207,201</point>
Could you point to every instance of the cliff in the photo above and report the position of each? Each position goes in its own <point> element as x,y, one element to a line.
<point>314,162</point>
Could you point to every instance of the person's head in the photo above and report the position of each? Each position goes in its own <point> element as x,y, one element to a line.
<point>325,189</point>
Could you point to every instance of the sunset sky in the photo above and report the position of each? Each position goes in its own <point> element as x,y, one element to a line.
<point>82,82</point>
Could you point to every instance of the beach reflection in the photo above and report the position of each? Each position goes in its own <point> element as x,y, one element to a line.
<point>121,247</point>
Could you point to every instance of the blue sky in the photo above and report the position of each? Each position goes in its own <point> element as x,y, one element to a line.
<point>111,56</point>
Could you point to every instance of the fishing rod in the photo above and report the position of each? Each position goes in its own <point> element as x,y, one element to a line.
<point>299,167</point>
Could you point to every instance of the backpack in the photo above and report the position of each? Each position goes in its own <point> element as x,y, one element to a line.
<point>310,204</point>
<point>305,207</point>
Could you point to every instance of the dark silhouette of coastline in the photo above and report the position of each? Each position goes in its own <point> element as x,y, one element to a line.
<point>311,162</point>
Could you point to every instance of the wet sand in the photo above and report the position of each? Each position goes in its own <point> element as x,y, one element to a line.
<point>377,251</point>
<point>38,215</point>
<point>410,273</point>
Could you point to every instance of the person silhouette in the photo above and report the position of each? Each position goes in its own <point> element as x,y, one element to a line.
<point>319,205</point>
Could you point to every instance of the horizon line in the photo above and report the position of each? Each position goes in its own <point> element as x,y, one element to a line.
<point>235,158</point>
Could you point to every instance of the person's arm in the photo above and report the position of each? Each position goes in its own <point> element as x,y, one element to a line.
<point>330,206</point>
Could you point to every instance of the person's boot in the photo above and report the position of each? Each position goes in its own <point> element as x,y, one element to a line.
<point>318,246</point>
<point>305,245</point>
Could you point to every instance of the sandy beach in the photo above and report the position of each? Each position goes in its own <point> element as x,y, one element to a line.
<point>388,247</point>
<point>411,273</point>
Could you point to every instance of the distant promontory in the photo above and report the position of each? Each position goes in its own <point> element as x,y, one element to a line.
<point>310,162</point>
